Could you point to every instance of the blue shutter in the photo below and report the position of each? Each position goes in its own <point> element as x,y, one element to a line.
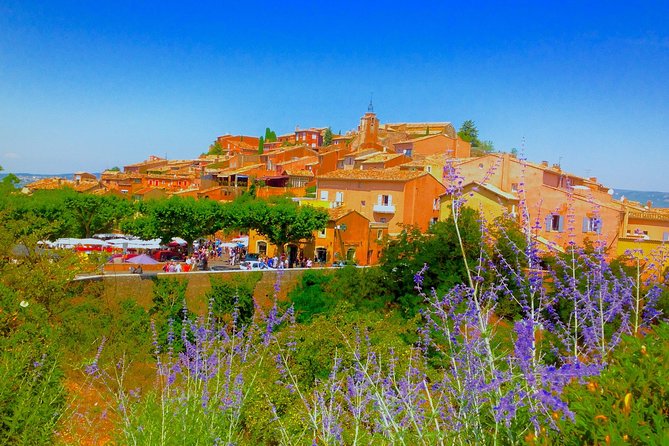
<point>548,223</point>
<point>561,224</point>
<point>665,237</point>
<point>599,225</point>
<point>586,220</point>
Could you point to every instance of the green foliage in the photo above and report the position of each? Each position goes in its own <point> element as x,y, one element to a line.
<point>31,390</point>
<point>486,146</point>
<point>281,220</point>
<point>95,213</point>
<point>261,145</point>
<point>226,295</point>
<point>168,310</point>
<point>508,258</point>
<point>309,297</point>
<point>322,291</point>
<point>327,137</point>
<point>468,132</point>
<point>215,149</point>
<point>439,249</point>
<point>187,218</point>
<point>629,401</point>
<point>270,135</point>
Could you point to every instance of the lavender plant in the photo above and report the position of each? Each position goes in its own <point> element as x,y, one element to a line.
<point>471,378</point>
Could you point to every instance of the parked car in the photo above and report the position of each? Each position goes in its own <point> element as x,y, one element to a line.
<point>342,263</point>
<point>252,265</point>
<point>252,256</point>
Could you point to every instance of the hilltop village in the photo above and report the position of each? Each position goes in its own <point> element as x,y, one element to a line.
<point>383,176</point>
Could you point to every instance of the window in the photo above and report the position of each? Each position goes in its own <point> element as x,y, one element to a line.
<point>434,220</point>
<point>435,204</point>
<point>428,169</point>
<point>324,195</point>
<point>382,219</point>
<point>363,202</point>
<point>554,223</point>
<point>379,234</point>
<point>385,200</point>
<point>592,224</point>
<point>321,234</point>
<point>339,197</point>
<point>514,187</point>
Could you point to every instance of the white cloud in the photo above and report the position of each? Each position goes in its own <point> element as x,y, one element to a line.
<point>11,155</point>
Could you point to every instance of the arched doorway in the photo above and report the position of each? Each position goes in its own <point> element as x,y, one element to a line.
<point>261,248</point>
<point>350,254</point>
<point>291,253</point>
<point>321,255</point>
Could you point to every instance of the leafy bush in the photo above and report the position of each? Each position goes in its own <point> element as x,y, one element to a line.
<point>629,401</point>
<point>226,296</point>
<point>31,390</point>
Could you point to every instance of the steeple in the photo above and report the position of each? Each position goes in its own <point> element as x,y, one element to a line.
<point>370,107</point>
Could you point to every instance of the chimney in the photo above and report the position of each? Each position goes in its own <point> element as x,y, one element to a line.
<point>649,204</point>
<point>593,179</point>
<point>544,163</point>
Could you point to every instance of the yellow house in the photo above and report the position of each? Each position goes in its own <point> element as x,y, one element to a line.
<point>489,200</point>
<point>645,232</point>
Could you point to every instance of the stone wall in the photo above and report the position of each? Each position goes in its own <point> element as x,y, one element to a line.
<point>119,287</point>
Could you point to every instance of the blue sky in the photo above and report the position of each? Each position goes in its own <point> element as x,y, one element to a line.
<point>86,86</point>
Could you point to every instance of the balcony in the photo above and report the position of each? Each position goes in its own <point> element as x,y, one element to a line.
<point>384,208</point>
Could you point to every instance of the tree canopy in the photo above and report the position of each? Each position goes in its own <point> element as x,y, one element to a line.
<point>281,220</point>
<point>327,137</point>
<point>187,218</point>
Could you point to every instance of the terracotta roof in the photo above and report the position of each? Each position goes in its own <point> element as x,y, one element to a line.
<point>84,185</point>
<point>381,157</point>
<point>393,174</point>
<point>422,138</point>
<point>299,173</point>
<point>340,212</point>
<point>50,184</point>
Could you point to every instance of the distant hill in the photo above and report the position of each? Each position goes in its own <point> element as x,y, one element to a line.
<point>27,178</point>
<point>658,199</point>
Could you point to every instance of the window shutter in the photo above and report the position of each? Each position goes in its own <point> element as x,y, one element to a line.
<point>561,224</point>
<point>665,237</point>
<point>599,225</point>
<point>548,223</point>
<point>586,220</point>
<point>378,200</point>
<point>390,200</point>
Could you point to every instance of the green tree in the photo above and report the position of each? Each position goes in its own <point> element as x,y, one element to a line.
<point>187,218</point>
<point>282,221</point>
<point>216,148</point>
<point>327,137</point>
<point>438,249</point>
<point>95,213</point>
<point>270,135</point>
<point>261,145</point>
<point>486,146</point>
<point>468,132</point>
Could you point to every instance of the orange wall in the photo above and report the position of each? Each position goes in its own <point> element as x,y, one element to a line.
<point>542,199</point>
<point>413,200</point>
